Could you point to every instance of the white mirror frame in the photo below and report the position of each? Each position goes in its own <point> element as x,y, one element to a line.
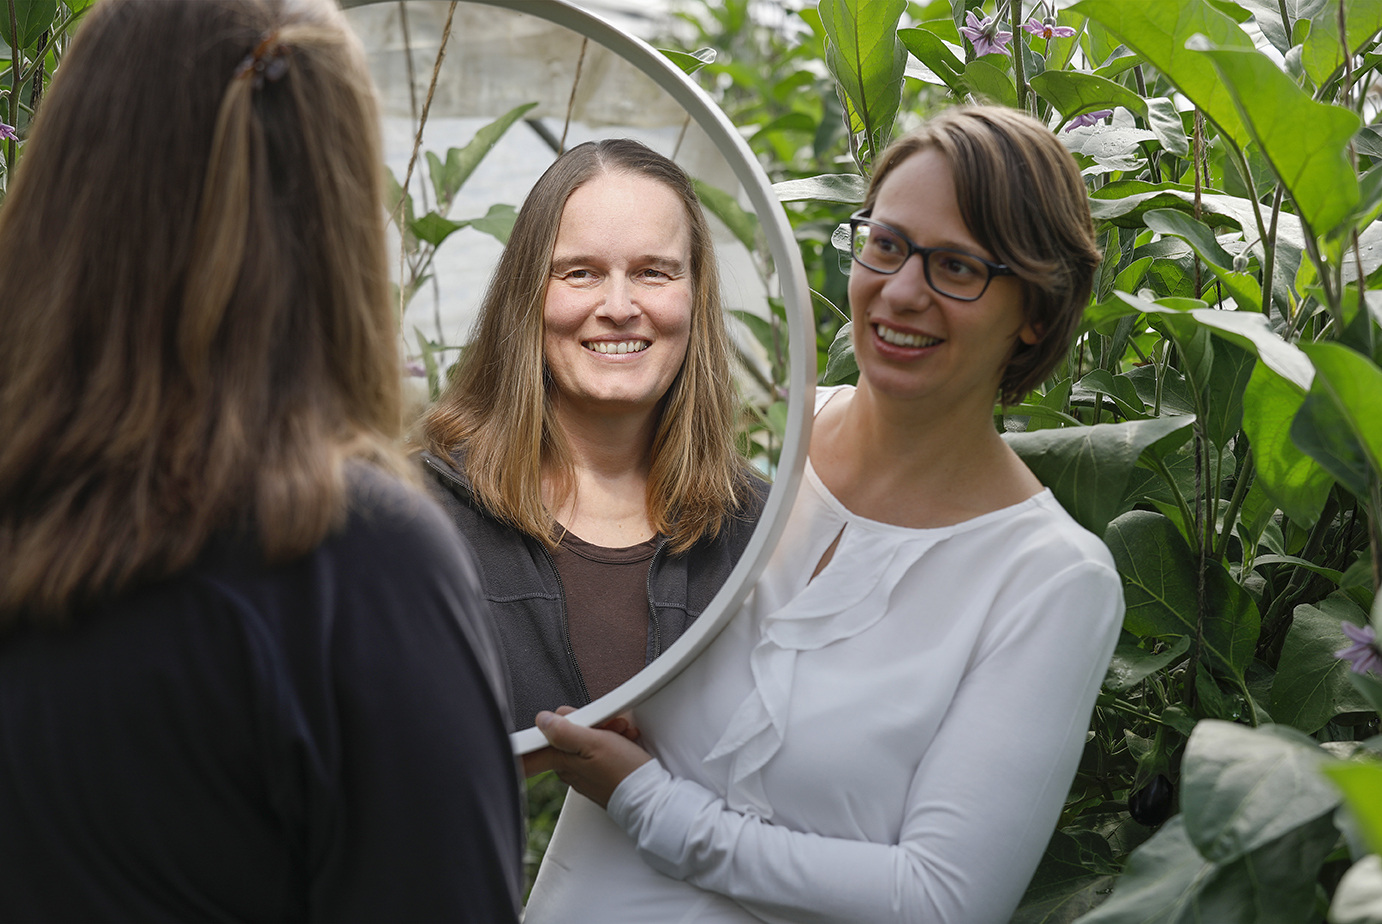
<point>801,356</point>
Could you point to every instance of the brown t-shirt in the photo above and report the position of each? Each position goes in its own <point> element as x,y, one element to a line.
<point>606,608</point>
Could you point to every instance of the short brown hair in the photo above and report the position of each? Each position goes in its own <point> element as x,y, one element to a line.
<point>195,298</point>
<point>497,404</point>
<point>1021,195</point>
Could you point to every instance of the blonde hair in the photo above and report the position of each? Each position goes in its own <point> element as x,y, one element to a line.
<point>195,298</point>
<point>497,407</point>
<point>1021,195</point>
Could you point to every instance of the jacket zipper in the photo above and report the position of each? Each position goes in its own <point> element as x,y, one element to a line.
<point>565,624</point>
<point>652,609</point>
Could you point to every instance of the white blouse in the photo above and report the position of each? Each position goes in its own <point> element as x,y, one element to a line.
<point>890,741</point>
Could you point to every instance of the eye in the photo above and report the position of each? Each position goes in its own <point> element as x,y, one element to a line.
<point>579,277</point>
<point>957,265</point>
<point>653,274</point>
<point>883,241</point>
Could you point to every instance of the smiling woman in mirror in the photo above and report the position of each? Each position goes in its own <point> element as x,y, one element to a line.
<point>585,442</point>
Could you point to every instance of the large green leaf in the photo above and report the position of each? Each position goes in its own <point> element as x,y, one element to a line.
<point>867,61</point>
<point>1075,93</point>
<point>1275,882</point>
<point>741,223</point>
<point>1063,886</point>
<point>1311,685</point>
<point>33,17</point>
<point>690,62</point>
<point>1087,468</point>
<point>1321,54</point>
<point>497,222</point>
<point>1247,329</point>
<point>1362,787</point>
<point>1354,383</point>
<point>1320,429</point>
<point>1243,788</point>
<point>989,82</point>
<point>841,365</point>
<point>848,188</point>
<point>1313,165</point>
<point>434,229</point>
<point>1293,480</point>
<point>1160,883</point>
<point>932,51</point>
<point>1224,388</point>
<point>1124,202</point>
<point>1197,235</point>
<point>448,178</point>
<point>1161,591</point>
<point>1131,665</point>
<point>1158,32</point>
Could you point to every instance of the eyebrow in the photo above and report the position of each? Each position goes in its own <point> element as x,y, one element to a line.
<point>974,249</point>
<point>669,265</point>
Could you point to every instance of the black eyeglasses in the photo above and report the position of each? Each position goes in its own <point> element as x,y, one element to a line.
<point>953,273</point>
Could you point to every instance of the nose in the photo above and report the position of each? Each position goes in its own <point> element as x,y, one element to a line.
<point>619,304</point>
<point>908,289</point>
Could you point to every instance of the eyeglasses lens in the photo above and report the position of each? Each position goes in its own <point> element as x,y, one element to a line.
<point>950,272</point>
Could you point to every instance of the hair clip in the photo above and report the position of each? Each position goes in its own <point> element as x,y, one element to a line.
<point>268,61</point>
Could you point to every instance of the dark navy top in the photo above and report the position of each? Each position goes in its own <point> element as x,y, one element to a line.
<point>322,740</point>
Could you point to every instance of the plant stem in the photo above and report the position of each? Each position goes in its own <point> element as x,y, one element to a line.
<point>16,67</point>
<point>1375,529</point>
<point>1197,153</point>
<point>1019,68</point>
<point>1252,706</point>
<point>1276,621</point>
<point>1246,472</point>
<point>1269,259</point>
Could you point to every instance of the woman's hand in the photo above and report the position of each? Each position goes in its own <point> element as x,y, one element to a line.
<point>593,761</point>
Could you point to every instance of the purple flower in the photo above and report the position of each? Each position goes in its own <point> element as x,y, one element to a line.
<point>1363,655</point>
<point>1048,29</point>
<point>7,133</point>
<point>985,35</point>
<point>414,368</point>
<point>1089,118</point>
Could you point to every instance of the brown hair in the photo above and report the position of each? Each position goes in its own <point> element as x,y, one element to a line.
<point>195,313</point>
<point>1021,196</point>
<point>497,407</point>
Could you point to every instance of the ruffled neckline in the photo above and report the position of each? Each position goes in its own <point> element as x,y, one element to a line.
<point>825,611</point>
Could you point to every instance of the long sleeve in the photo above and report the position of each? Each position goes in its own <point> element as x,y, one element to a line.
<point>979,809</point>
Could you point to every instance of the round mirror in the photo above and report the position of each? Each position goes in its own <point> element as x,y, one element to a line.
<point>515,85</point>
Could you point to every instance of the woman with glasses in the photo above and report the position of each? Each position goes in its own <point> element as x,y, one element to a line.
<point>887,730</point>
<point>246,673</point>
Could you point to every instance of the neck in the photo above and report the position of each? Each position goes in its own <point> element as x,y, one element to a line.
<point>603,498</point>
<point>912,463</point>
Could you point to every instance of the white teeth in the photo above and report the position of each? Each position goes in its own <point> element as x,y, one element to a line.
<point>619,346</point>
<point>898,338</point>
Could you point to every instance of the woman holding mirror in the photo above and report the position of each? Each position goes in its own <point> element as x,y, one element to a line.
<point>585,443</point>
<point>245,669</point>
<point>888,728</point>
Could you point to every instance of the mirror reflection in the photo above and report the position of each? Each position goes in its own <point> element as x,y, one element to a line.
<point>584,441</point>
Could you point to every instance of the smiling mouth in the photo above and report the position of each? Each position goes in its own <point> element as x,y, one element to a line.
<point>608,347</point>
<point>898,338</point>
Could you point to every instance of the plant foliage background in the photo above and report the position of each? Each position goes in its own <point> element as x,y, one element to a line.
<point>1218,422</point>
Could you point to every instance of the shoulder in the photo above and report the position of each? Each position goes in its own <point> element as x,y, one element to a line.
<point>825,393</point>
<point>388,517</point>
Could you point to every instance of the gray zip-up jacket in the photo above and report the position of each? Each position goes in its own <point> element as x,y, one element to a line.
<point>520,580</point>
